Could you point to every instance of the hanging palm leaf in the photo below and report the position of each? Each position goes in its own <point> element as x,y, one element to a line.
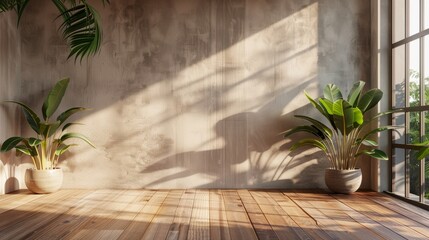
<point>80,27</point>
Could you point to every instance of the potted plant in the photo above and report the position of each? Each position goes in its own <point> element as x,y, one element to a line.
<point>345,135</point>
<point>49,142</point>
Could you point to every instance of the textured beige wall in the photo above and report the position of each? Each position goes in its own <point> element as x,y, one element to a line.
<point>10,168</point>
<point>195,93</point>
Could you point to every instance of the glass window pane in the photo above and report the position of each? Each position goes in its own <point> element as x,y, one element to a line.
<point>426,66</point>
<point>413,131</point>
<point>414,170</point>
<point>414,17</point>
<point>399,134</point>
<point>426,193</point>
<point>426,126</point>
<point>398,74</point>
<point>398,174</point>
<point>414,73</point>
<point>398,16</point>
<point>426,14</point>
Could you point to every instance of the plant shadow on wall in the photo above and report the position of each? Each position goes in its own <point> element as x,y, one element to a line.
<point>184,62</point>
<point>8,163</point>
<point>251,154</point>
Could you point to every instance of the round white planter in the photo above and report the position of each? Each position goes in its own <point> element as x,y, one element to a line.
<point>343,181</point>
<point>44,181</point>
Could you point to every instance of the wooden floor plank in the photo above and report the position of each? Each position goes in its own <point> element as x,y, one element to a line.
<point>40,216</point>
<point>161,223</point>
<point>219,229</point>
<point>262,227</point>
<point>239,223</point>
<point>330,226</point>
<point>387,200</point>
<point>299,216</point>
<point>16,196</point>
<point>403,208</point>
<point>141,222</point>
<point>76,216</point>
<point>108,224</point>
<point>40,205</point>
<point>182,218</point>
<point>199,228</point>
<point>282,224</point>
<point>341,214</point>
<point>367,222</point>
<point>208,214</point>
<point>95,216</point>
<point>369,209</point>
<point>16,199</point>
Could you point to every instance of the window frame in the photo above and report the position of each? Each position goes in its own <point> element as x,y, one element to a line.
<point>423,109</point>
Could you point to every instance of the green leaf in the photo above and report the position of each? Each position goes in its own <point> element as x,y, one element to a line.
<point>80,28</point>
<point>17,5</point>
<point>26,150</point>
<point>332,92</point>
<point>370,143</point>
<point>353,117</point>
<point>33,142</point>
<point>306,128</point>
<point>316,105</point>
<point>7,5</point>
<point>67,125</point>
<point>422,153</point>
<point>78,136</point>
<point>66,114</point>
<point>328,105</point>
<point>346,117</point>
<point>375,153</point>
<point>54,98</point>
<point>370,99</point>
<point>337,108</point>
<point>319,125</point>
<point>49,129</point>
<point>355,92</point>
<point>32,119</point>
<point>63,148</point>
<point>377,130</point>
<point>308,142</point>
<point>10,143</point>
<point>20,7</point>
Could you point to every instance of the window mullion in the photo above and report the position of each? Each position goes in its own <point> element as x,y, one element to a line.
<point>422,101</point>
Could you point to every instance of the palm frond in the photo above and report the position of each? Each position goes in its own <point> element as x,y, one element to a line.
<point>7,5</point>
<point>17,5</point>
<point>80,28</point>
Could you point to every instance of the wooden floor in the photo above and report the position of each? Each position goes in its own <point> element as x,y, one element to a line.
<point>208,214</point>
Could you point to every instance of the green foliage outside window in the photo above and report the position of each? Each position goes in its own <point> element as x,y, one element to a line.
<point>414,132</point>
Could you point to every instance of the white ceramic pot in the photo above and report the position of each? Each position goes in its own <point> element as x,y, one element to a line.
<point>44,181</point>
<point>343,181</point>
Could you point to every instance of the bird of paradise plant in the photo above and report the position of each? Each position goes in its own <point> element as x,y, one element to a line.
<point>49,143</point>
<point>347,132</point>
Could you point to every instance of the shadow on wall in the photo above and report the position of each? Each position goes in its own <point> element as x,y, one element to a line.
<point>195,93</point>
<point>251,155</point>
<point>9,164</point>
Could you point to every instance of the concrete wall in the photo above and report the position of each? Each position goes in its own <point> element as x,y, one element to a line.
<point>196,93</point>
<point>10,168</point>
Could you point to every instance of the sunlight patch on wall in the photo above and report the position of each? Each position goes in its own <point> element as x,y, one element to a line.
<point>216,123</point>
